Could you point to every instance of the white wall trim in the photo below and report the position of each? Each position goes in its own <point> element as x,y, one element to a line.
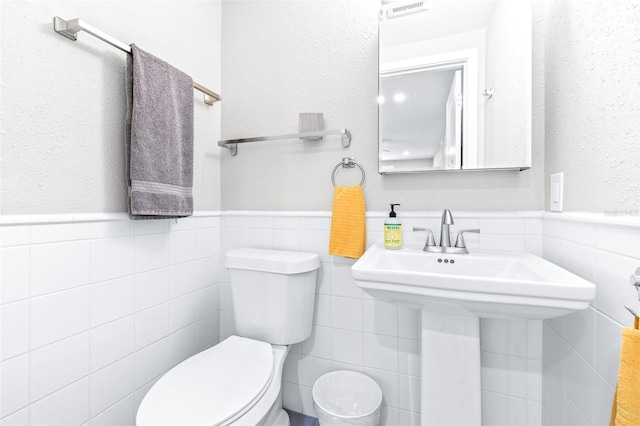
<point>585,217</point>
<point>375,214</point>
<point>41,219</point>
<point>597,218</point>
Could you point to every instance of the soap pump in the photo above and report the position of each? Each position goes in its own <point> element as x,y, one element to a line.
<point>392,231</point>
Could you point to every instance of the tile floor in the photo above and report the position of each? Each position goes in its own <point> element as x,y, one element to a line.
<point>299,419</point>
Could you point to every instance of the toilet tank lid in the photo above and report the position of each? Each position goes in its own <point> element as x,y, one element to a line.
<point>277,261</point>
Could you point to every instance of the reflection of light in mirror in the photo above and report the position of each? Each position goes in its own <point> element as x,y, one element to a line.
<point>380,99</point>
<point>399,97</point>
<point>432,52</point>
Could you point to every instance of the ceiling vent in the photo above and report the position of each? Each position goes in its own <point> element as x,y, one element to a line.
<point>406,9</point>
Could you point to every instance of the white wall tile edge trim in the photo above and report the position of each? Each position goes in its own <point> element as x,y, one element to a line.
<point>410,214</point>
<point>597,218</point>
<point>8,220</point>
<point>40,219</point>
<point>632,221</point>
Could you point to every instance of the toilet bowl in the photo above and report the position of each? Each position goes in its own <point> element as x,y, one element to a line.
<point>239,380</point>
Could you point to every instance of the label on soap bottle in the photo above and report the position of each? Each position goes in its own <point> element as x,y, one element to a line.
<point>392,235</point>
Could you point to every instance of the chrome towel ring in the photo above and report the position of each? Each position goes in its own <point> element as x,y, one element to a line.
<point>347,162</point>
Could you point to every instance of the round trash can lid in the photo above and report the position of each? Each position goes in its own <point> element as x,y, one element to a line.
<point>347,394</point>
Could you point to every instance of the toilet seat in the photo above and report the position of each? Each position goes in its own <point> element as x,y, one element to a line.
<point>214,387</point>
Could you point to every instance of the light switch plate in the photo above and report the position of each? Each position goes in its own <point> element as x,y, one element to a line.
<point>556,192</point>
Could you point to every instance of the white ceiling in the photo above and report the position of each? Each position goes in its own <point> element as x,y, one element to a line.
<point>442,18</point>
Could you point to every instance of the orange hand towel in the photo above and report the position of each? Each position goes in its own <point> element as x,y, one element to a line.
<point>348,222</point>
<point>626,402</point>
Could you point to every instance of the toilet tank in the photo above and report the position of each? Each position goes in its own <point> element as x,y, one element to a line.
<point>273,293</point>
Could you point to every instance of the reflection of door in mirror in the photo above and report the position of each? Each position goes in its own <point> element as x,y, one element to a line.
<point>453,135</point>
<point>428,110</point>
<point>490,41</point>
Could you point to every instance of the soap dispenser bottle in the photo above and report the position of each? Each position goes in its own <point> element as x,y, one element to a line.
<point>392,231</point>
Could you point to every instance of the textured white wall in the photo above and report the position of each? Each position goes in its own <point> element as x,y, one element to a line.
<point>592,131</point>
<point>591,111</point>
<point>280,58</point>
<point>63,103</point>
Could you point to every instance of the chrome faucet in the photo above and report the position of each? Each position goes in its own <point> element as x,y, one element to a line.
<point>447,220</point>
<point>445,239</point>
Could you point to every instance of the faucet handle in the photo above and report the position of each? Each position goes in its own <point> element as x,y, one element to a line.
<point>431,241</point>
<point>460,239</point>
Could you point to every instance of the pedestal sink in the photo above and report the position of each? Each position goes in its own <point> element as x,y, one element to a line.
<point>453,291</point>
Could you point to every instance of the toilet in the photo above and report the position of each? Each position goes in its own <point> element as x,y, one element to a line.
<point>239,380</point>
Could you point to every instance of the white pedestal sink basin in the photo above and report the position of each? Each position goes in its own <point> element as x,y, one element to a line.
<point>453,291</point>
<point>485,284</point>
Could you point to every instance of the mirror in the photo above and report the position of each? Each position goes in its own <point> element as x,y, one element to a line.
<point>454,85</point>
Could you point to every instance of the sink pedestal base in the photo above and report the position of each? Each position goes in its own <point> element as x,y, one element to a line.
<point>450,388</point>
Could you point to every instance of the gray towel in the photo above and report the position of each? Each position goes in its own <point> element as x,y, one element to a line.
<point>160,148</point>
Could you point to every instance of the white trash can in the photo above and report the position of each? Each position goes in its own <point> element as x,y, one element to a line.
<point>347,398</point>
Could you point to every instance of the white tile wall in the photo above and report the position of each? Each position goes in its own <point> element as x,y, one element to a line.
<point>356,332</point>
<point>92,312</point>
<point>126,300</point>
<point>582,350</point>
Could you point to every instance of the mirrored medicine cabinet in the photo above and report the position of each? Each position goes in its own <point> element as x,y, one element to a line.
<point>454,85</point>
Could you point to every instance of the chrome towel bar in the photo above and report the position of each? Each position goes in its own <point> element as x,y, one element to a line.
<point>71,27</point>
<point>231,143</point>
<point>311,128</point>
